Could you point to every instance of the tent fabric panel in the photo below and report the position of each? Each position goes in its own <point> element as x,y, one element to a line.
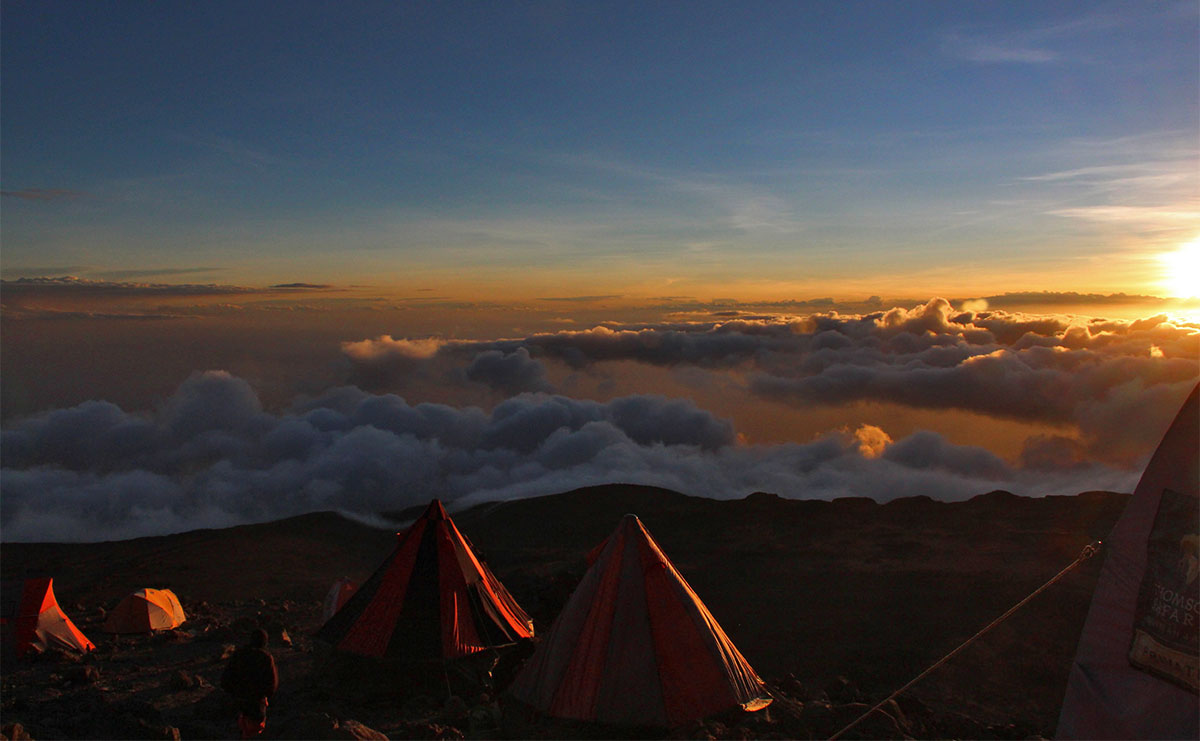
<point>699,674</point>
<point>55,628</point>
<point>459,633</point>
<point>415,635</point>
<point>40,622</point>
<point>367,628</point>
<point>336,627</point>
<point>631,691</point>
<point>744,681</point>
<point>577,689</point>
<point>129,616</point>
<point>174,607</point>
<point>497,600</point>
<point>34,595</point>
<point>1106,696</point>
<point>539,679</point>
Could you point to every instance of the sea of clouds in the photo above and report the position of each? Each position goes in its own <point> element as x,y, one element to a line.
<point>212,456</point>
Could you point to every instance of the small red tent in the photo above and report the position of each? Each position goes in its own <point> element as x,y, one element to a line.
<point>431,599</point>
<point>338,594</point>
<point>33,620</point>
<point>634,645</point>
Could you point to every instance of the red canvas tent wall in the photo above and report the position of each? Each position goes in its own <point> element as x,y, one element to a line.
<point>1135,670</point>
<point>634,645</point>
<point>431,599</point>
<point>33,620</point>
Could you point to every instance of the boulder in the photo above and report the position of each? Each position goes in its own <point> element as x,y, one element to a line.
<point>352,729</point>
<point>182,681</point>
<point>15,732</point>
<point>82,674</point>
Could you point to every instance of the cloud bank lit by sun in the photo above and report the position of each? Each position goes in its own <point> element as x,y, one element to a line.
<point>1181,270</point>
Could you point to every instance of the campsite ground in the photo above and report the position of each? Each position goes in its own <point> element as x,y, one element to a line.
<point>834,603</point>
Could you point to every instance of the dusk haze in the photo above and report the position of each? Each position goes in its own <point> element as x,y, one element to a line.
<point>834,274</point>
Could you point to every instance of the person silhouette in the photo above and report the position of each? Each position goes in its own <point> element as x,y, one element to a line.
<point>251,678</point>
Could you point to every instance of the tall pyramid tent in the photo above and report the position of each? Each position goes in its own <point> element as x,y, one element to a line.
<point>634,645</point>
<point>1136,666</point>
<point>144,611</point>
<point>33,621</point>
<point>431,599</point>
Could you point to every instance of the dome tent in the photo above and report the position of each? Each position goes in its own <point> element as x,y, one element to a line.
<point>144,611</point>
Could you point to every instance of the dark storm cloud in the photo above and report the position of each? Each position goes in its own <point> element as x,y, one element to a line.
<point>210,456</point>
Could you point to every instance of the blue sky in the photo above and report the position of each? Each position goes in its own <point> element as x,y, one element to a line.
<point>778,150</point>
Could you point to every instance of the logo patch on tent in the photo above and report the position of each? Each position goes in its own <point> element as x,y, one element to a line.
<point>1166,626</point>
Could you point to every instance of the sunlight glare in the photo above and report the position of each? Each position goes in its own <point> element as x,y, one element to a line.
<point>1181,270</point>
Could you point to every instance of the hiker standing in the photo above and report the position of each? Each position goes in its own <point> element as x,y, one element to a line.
<point>251,678</point>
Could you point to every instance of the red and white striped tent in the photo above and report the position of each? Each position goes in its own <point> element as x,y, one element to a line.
<point>634,645</point>
<point>431,599</point>
<point>33,621</point>
<point>1136,669</point>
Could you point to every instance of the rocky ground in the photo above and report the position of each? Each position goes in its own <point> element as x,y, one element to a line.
<point>835,603</point>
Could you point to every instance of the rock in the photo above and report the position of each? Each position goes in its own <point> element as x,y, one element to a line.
<point>15,732</point>
<point>842,691</point>
<point>61,655</point>
<point>181,681</point>
<point>352,729</point>
<point>243,625</point>
<point>427,731</point>
<point>455,709</point>
<point>305,726</point>
<point>419,706</point>
<point>82,674</point>
<point>483,719</point>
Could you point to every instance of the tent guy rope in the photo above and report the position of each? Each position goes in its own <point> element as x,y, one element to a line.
<point>1088,551</point>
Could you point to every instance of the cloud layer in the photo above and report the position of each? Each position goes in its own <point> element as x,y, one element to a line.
<point>211,456</point>
<point>1067,371</point>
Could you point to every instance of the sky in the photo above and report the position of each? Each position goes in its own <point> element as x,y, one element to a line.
<point>754,151</point>
<point>262,259</point>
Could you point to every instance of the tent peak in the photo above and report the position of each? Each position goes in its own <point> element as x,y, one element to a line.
<point>435,510</point>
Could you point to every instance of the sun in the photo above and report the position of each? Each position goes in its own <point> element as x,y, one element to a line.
<point>1181,270</point>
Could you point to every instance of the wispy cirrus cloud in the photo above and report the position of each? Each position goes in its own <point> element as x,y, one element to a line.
<point>1143,217</point>
<point>997,50</point>
<point>117,275</point>
<point>581,299</point>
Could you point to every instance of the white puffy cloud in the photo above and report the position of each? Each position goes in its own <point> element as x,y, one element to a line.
<point>210,456</point>
<point>1059,370</point>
